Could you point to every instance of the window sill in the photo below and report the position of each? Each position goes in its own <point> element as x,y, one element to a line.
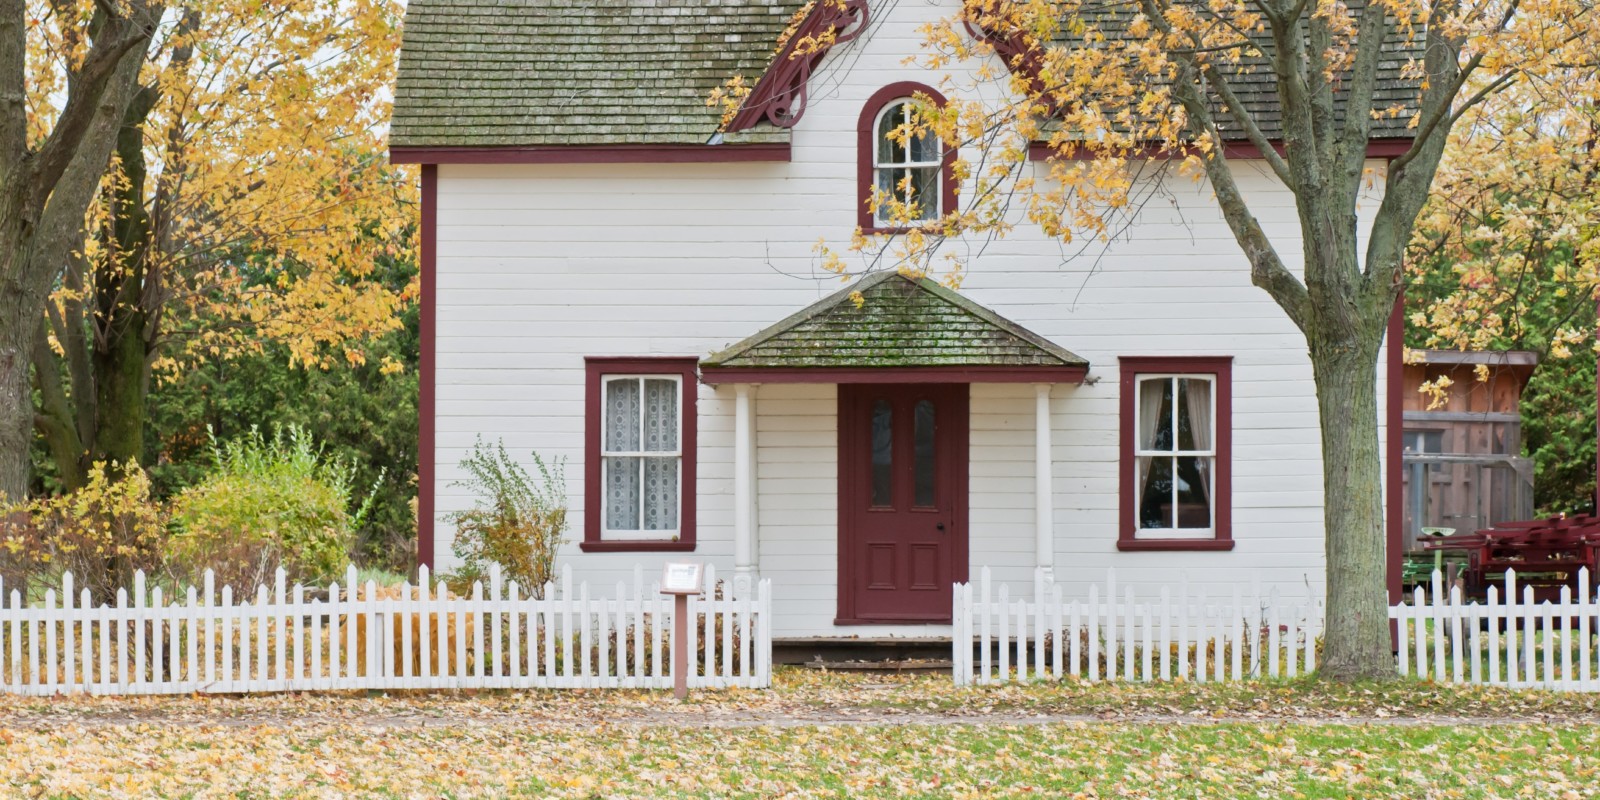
<point>898,231</point>
<point>637,546</point>
<point>1137,545</point>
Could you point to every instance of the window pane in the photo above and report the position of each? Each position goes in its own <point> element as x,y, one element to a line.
<point>922,437</point>
<point>661,494</point>
<point>622,415</point>
<point>1155,413</point>
<point>1194,414</point>
<point>925,191</point>
<point>660,415</point>
<point>887,189</point>
<point>622,493</point>
<point>882,454</point>
<point>889,150</point>
<point>1155,495</point>
<point>925,148</point>
<point>1194,491</point>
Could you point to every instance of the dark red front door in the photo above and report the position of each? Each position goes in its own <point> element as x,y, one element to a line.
<point>902,501</point>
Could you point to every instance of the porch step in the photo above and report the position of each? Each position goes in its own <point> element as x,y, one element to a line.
<point>910,665</point>
<point>852,649</point>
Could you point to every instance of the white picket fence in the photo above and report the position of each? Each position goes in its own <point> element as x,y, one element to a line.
<point>1503,641</point>
<point>1187,635</point>
<point>292,639</point>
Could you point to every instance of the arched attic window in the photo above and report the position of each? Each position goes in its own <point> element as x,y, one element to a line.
<point>917,170</point>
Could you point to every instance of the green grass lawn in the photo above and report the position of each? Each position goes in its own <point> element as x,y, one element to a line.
<point>818,736</point>
<point>1270,760</point>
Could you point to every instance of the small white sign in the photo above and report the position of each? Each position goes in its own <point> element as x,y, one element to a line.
<point>681,577</point>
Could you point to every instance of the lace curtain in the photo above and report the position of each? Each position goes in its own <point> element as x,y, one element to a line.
<point>641,421</point>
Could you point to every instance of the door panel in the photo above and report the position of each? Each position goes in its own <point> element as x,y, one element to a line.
<point>902,501</point>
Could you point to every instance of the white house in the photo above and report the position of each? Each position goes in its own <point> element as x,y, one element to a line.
<point>610,279</point>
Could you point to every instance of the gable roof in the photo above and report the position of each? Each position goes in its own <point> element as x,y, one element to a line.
<point>497,73</point>
<point>901,323</point>
<point>557,73</point>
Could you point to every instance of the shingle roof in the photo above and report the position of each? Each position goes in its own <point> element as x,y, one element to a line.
<point>605,72</point>
<point>1252,79</point>
<point>553,72</point>
<point>900,323</point>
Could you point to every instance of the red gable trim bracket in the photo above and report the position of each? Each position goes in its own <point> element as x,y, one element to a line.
<point>1014,51</point>
<point>780,96</point>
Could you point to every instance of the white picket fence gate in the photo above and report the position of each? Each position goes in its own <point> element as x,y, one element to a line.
<point>290,639</point>
<point>1503,641</point>
<point>1189,636</point>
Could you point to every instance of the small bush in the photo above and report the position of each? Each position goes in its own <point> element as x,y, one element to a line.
<point>517,522</point>
<point>270,502</point>
<point>102,534</point>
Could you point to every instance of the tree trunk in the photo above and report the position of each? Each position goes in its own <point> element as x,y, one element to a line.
<point>1356,637</point>
<point>19,319</point>
<point>121,350</point>
<point>40,217</point>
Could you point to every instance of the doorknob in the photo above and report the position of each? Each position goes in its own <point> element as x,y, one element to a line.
<point>940,527</point>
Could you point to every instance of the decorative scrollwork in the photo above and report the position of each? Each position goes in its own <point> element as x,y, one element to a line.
<point>780,96</point>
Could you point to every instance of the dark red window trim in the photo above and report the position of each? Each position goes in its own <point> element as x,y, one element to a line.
<point>596,368</point>
<point>427,312</point>
<point>1133,366</point>
<point>866,146</point>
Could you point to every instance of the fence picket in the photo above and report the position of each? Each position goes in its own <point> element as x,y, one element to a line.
<point>15,683</point>
<point>1094,632</point>
<point>1004,639</point>
<point>1127,634</point>
<point>1111,624</point>
<point>158,601</point>
<point>1547,628</point>
<point>1148,641</point>
<point>1586,609</point>
<point>1565,616</point>
<point>68,629</point>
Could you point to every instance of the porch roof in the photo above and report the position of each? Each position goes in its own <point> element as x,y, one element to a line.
<point>902,330</point>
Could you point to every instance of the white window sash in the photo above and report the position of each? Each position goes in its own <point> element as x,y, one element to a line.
<point>902,167</point>
<point>1208,532</point>
<point>638,534</point>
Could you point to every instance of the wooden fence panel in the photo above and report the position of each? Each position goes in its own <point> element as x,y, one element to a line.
<point>353,636</point>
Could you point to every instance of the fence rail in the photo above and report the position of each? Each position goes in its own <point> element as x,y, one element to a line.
<point>1189,636</point>
<point>365,637</point>
<point>1503,641</point>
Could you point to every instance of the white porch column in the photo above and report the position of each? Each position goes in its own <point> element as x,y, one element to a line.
<point>744,468</point>
<point>1043,496</point>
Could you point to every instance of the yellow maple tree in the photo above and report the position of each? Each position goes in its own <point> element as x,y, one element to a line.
<point>249,201</point>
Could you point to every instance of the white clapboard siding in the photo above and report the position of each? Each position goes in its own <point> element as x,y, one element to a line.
<point>1130,635</point>
<point>1509,639</point>
<point>354,636</point>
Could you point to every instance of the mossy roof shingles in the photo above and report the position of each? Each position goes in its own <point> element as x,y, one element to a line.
<point>1395,95</point>
<point>561,72</point>
<point>509,73</point>
<point>900,323</point>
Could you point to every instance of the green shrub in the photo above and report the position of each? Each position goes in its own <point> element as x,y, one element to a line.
<point>270,502</point>
<point>517,521</point>
<point>103,533</point>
